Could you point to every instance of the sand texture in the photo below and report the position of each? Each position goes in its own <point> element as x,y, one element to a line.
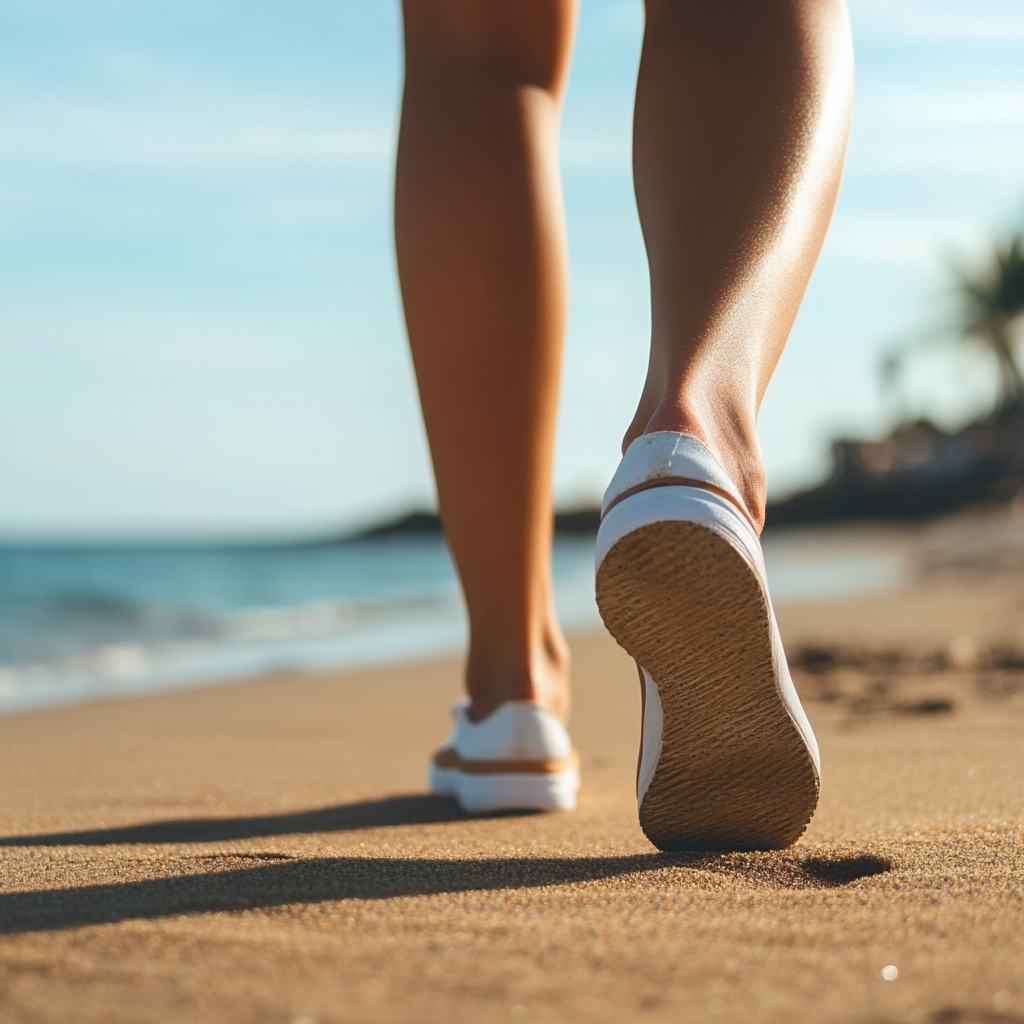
<point>264,852</point>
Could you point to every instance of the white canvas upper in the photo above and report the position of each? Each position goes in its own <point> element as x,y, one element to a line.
<point>651,736</point>
<point>519,730</point>
<point>666,453</point>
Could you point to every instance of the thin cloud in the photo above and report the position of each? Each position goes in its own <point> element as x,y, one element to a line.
<point>609,152</point>
<point>131,134</point>
<point>946,109</point>
<point>987,21</point>
<point>898,241</point>
<point>168,337</point>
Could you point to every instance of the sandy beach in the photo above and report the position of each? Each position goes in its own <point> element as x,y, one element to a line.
<point>265,851</point>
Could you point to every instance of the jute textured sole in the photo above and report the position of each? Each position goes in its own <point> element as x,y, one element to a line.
<point>734,771</point>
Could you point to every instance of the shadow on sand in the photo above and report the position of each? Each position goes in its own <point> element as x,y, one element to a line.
<point>256,879</point>
<point>412,809</point>
<point>278,880</point>
<point>270,880</point>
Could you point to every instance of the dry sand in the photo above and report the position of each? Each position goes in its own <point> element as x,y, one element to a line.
<point>264,851</point>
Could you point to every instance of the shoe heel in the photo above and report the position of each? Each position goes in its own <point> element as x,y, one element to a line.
<point>682,590</point>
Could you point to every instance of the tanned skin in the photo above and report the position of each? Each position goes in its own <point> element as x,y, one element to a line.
<point>740,128</point>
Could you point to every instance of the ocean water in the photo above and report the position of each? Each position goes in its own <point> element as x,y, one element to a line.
<point>83,622</point>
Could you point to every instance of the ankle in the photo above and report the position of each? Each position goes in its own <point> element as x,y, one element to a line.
<point>730,435</point>
<point>540,675</point>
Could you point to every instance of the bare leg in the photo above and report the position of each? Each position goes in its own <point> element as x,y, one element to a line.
<point>742,116</point>
<point>482,261</point>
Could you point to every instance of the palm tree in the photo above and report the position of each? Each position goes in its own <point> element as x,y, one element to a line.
<point>990,307</point>
<point>991,303</point>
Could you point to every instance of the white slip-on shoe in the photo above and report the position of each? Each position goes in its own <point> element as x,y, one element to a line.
<point>727,758</point>
<point>519,757</point>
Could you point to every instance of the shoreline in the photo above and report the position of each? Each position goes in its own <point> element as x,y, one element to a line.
<point>331,630</point>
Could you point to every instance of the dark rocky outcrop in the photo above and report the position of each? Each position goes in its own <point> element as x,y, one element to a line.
<point>918,471</point>
<point>574,521</point>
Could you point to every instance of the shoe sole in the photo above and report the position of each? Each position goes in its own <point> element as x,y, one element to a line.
<point>519,791</point>
<point>734,772</point>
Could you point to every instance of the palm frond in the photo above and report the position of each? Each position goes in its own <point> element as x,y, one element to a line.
<point>989,304</point>
<point>995,290</point>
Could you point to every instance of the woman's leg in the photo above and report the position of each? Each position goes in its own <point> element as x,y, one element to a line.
<point>742,116</point>
<point>482,262</point>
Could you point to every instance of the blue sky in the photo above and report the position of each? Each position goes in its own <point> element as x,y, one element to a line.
<point>199,321</point>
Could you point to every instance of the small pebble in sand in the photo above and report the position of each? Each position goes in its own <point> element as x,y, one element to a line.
<point>890,972</point>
